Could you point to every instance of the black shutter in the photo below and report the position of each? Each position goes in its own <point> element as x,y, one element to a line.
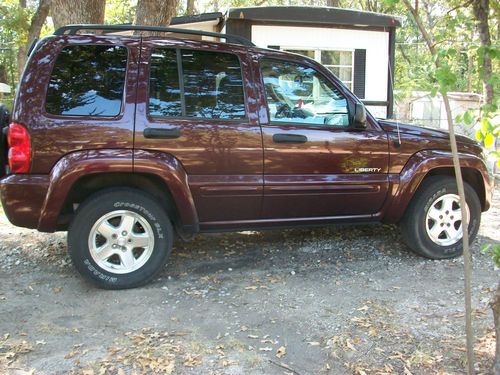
<point>274,47</point>
<point>359,73</point>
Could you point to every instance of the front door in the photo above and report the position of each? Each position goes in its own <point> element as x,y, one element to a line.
<point>316,165</point>
<point>194,95</point>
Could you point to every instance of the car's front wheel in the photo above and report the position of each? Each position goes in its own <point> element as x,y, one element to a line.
<point>432,224</point>
<point>120,238</point>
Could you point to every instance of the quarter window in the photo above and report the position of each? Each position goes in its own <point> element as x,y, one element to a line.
<point>297,93</point>
<point>87,80</point>
<point>212,85</point>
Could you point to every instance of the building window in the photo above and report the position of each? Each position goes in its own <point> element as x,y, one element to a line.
<point>341,63</point>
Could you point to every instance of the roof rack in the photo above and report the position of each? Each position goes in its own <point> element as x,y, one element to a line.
<point>73,29</point>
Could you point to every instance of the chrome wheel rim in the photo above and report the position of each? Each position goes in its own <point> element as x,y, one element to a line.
<point>121,242</point>
<point>443,221</point>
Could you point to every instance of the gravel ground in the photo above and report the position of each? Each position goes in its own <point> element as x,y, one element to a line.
<point>335,300</point>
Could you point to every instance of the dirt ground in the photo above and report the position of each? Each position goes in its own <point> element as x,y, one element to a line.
<point>337,300</point>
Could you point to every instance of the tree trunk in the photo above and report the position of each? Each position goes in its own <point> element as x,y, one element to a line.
<point>333,3</point>
<point>190,10</point>
<point>155,12</point>
<point>66,12</point>
<point>481,9</point>
<point>33,32</point>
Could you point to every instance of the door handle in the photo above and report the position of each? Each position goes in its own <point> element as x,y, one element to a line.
<point>161,133</point>
<point>289,138</point>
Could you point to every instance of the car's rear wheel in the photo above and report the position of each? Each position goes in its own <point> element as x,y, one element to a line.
<point>120,238</point>
<point>432,225</point>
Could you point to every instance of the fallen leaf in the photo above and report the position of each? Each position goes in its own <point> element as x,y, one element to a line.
<point>349,345</point>
<point>281,352</point>
<point>192,361</point>
<point>71,354</point>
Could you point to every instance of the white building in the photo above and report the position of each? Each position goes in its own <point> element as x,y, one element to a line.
<point>357,46</point>
<point>423,109</point>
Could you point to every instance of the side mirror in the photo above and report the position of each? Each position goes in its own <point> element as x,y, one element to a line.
<point>359,116</point>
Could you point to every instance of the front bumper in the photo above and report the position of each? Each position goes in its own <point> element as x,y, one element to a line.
<point>23,197</point>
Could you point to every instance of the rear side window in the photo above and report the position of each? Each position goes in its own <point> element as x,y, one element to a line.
<point>211,86</point>
<point>87,80</point>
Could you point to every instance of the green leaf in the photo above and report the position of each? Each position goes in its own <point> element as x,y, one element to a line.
<point>468,118</point>
<point>485,247</point>
<point>489,140</point>
<point>486,125</point>
<point>479,135</point>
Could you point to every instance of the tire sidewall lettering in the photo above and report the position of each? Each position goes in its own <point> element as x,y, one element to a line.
<point>98,273</point>
<point>144,211</point>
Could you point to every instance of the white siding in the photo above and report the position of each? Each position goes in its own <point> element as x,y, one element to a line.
<point>376,44</point>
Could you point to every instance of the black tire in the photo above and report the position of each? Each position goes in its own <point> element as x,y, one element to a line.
<point>90,213</point>
<point>413,224</point>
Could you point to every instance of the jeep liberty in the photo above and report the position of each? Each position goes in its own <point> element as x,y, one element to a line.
<point>124,140</point>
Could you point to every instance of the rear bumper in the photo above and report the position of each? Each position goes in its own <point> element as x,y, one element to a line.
<point>23,197</point>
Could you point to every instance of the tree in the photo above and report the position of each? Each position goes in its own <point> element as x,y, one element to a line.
<point>488,132</point>
<point>66,12</point>
<point>155,12</point>
<point>119,11</point>
<point>333,3</point>
<point>445,77</point>
<point>190,9</point>
<point>34,30</point>
<point>481,12</point>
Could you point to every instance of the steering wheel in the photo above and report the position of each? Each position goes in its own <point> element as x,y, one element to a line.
<point>284,111</point>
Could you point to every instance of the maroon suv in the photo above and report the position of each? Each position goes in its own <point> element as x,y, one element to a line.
<point>120,139</point>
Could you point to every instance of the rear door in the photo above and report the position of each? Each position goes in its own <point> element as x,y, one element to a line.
<point>316,165</point>
<point>198,97</point>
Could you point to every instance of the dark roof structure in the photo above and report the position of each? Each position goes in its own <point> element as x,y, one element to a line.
<point>318,15</point>
<point>196,18</point>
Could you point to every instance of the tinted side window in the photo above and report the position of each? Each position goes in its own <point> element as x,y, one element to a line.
<point>87,80</point>
<point>213,87</point>
<point>297,93</point>
<point>164,88</point>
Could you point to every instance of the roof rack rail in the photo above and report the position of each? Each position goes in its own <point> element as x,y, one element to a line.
<point>73,29</point>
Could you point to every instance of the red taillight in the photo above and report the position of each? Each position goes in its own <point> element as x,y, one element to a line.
<point>18,139</point>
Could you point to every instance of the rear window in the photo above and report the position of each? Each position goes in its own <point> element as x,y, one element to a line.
<point>87,80</point>
<point>212,85</point>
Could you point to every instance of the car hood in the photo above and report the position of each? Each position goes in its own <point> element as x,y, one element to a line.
<point>429,133</point>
